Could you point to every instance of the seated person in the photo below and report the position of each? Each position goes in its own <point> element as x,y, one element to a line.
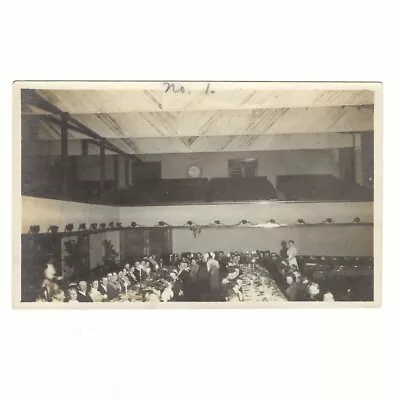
<point>153,264</point>
<point>72,295</point>
<point>113,287</point>
<point>328,296</point>
<point>193,269</point>
<point>314,291</point>
<point>58,296</point>
<point>140,271</point>
<point>103,287</point>
<point>131,276</point>
<point>298,288</point>
<point>123,280</point>
<point>82,295</point>
<point>153,294</point>
<point>94,293</point>
<point>167,294</point>
<point>176,285</point>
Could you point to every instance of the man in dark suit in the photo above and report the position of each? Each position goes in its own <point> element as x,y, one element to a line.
<point>103,287</point>
<point>131,276</point>
<point>140,272</point>
<point>82,293</point>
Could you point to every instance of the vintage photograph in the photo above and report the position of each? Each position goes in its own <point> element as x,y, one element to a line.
<point>225,194</point>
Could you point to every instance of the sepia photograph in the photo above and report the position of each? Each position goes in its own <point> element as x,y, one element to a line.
<point>181,194</point>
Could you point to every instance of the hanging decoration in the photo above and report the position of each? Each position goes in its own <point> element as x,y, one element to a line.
<point>194,227</point>
<point>163,223</point>
<point>196,230</point>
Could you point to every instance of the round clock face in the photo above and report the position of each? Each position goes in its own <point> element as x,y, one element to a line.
<point>194,171</point>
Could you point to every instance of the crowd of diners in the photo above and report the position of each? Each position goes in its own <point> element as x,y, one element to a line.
<point>300,287</point>
<point>188,277</point>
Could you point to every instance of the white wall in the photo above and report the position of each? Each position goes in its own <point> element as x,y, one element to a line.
<point>46,212</point>
<point>281,212</point>
<point>323,241</point>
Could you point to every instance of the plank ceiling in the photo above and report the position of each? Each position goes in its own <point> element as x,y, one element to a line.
<point>202,117</point>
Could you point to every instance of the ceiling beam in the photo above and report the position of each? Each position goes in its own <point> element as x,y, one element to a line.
<point>32,97</point>
<point>231,122</point>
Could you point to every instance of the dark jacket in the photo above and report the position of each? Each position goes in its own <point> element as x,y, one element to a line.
<point>84,298</point>
<point>102,290</point>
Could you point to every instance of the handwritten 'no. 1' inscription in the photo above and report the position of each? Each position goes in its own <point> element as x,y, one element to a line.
<point>178,88</point>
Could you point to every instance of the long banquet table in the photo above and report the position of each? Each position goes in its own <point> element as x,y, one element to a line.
<point>257,286</point>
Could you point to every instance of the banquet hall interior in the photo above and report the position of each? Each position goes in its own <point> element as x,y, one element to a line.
<point>197,192</point>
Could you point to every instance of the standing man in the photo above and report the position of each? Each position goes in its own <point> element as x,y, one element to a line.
<point>291,255</point>
<point>284,249</point>
<point>215,278</point>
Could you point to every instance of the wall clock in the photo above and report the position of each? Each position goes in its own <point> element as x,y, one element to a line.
<point>193,171</point>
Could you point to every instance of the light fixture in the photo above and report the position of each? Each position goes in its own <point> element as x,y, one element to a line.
<point>190,222</point>
<point>244,221</point>
<point>356,220</point>
<point>53,229</point>
<point>69,227</point>
<point>34,229</point>
<point>133,224</point>
<point>217,222</point>
<point>301,221</point>
<point>329,220</point>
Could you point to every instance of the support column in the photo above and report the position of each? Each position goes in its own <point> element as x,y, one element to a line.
<point>127,181</point>
<point>64,154</point>
<point>102,163</point>
<point>116,171</point>
<point>358,170</point>
<point>85,147</point>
